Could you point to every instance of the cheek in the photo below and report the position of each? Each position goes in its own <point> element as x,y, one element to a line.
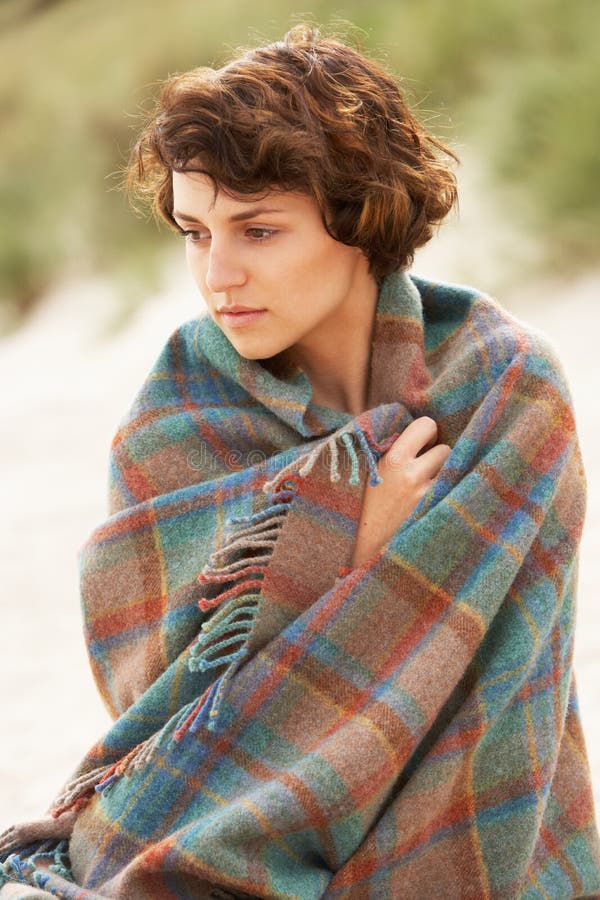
<point>308,269</point>
<point>196,266</point>
<point>329,273</point>
<point>191,258</point>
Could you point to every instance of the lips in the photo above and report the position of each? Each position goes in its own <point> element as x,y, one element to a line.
<point>237,309</point>
<point>239,316</point>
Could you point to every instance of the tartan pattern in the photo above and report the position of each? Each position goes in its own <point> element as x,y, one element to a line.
<point>408,728</point>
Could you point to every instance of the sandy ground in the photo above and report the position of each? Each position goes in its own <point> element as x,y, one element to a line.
<point>64,391</point>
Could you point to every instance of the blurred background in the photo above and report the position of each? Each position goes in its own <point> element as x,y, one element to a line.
<point>90,291</point>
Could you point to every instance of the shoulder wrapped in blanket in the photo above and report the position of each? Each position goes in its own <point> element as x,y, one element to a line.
<point>287,726</point>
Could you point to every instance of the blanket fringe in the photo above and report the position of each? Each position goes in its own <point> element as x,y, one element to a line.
<point>19,867</point>
<point>135,759</point>
<point>371,450</point>
<point>235,578</point>
<point>232,581</point>
<point>78,791</point>
<point>225,636</point>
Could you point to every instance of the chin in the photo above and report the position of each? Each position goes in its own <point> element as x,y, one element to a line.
<point>249,352</point>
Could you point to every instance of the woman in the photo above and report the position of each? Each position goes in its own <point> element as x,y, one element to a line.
<point>332,609</point>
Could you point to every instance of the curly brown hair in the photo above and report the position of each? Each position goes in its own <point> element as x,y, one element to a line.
<point>308,114</point>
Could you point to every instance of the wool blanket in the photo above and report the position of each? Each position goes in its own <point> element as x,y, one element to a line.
<point>288,726</point>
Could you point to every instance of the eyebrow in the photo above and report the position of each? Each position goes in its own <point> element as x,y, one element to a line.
<point>238,217</point>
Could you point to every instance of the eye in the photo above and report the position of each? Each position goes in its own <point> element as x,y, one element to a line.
<point>195,237</point>
<point>260,235</point>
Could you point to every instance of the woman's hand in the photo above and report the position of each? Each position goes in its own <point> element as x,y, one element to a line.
<point>406,477</point>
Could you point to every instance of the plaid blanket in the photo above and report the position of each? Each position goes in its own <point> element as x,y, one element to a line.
<point>287,726</point>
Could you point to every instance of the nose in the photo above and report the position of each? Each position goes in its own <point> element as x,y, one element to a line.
<point>223,270</point>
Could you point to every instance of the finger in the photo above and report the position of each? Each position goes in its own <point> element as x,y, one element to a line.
<point>424,467</point>
<point>432,461</point>
<point>415,436</point>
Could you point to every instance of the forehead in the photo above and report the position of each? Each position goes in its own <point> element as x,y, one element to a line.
<point>196,194</point>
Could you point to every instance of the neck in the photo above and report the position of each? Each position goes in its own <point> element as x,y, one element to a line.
<point>337,359</point>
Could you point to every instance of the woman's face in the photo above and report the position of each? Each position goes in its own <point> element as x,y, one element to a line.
<point>272,277</point>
